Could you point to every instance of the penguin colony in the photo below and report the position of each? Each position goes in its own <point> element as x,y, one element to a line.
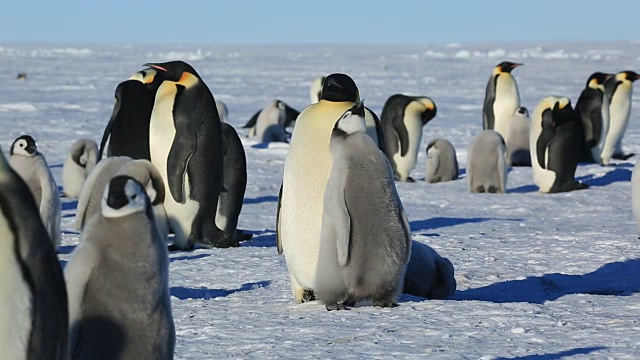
<point>173,165</point>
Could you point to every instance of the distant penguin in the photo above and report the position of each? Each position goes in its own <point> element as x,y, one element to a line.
<point>234,184</point>
<point>289,119</point>
<point>365,241</point>
<point>186,147</point>
<point>635,194</point>
<point>619,90</point>
<point>306,171</point>
<point>442,164</point>
<point>518,153</point>
<point>402,120</point>
<point>271,123</point>
<point>81,160</point>
<point>316,89</point>
<point>592,110</point>
<point>501,100</point>
<point>487,168</point>
<point>428,275</point>
<point>32,289</point>
<point>223,111</point>
<point>142,170</point>
<point>118,281</point>
<point>32,167</point>
<point>555,143</point>
<point>128,129</point>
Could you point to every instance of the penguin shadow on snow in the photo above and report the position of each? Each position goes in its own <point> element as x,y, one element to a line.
<point>260,199</point>
<point>615,175</point>
<point>440,222</point>
<point>613,279</point>
<point>188,257</point>
<point>558,355</point>
<point>261,238</point>
<point>184,293</point>
<point>523,189</point>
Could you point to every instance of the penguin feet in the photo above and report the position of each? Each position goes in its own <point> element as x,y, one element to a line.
<point>336,307</point>
<point>221,240</point>
<point>622,156</point>
<point>579,186</point>
<point>410,180</point>
<point>384,304</point>
<point>242,236</point>
<point>174,247</point>
<point>308,295</point>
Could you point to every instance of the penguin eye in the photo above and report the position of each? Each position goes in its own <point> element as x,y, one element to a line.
<point>134,196</point>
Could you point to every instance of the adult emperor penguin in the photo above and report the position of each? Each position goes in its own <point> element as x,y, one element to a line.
<point>518,153</point>
<point>118,281</point>
<point>442,164</point>
<point>402,120</point>
<point>316,89</point>
<point>501,100</point>
<point>185,141</point>
<point>32,290</point>
<point>487,168</point>
<point>128,128</point>
<point>81,160</point>
<point>290,116</point>
<point>365,241</point>
<point>142,170</point>
<point>234,184</point>
<point>619,90</point>
<point>555,145</point>
<point>428,274</point>
<point>592,110</point>
<point>306,171</point>
<point>32,167</point>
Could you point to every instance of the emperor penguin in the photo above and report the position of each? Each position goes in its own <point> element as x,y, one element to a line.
<point>487,167</point>
<point>128,128</point>
<point>223,111</point>
<point>518,153</point>
<point>316,89</point>
<point>635,194</point>
<point>81,160</point>
<point>592,110</point>
<point>32,290</point>
<point>118,281</point>
<point>32,167</point>
<point>442,164</point>
<point>619,90</point>
<point>402,120</point>
<point>142,170</point>
<point>270,124</point>
<point>306,171</point>
<point>365,241</point>
<point>555,145</point>
<point>501,100</point>
<point>185,142</point>
<point>428,274</point>
<point>274,110</point>
<point>234,184</point>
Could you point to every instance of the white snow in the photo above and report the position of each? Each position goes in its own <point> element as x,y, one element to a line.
<point>539,275</point>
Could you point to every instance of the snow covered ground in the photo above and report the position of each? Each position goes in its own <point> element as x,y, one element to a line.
<point>539,276</point>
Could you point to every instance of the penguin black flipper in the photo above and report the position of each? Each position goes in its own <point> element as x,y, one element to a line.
<point>107,130</point>
<point>182,149</point>
<point>252,122</point>
<point>488,119</point>
<point>278,233</point>
<point>393,117</point>
<point>379,131</point>
<point>547,134</point>
<point>292,115</point>
<point>588,108</point>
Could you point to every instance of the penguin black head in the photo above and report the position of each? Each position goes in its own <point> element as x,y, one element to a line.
<point>562,113</point>
<point>597,78</point>
<point>173,70</point>
<point>507,66</point>
<point>430,109</point>
<point>631,75</point>
<point>24,145</point>
<point>351,121</point>
<point>123,196</point>
<point>338,88</point>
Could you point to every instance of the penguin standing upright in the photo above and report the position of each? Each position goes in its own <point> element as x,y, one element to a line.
<point>619,90</point>
<point>32,167</point>
<point>185,143</point>
<point>402,120</point>
<point>442,164</point>
<point>81,160</point>
<point>365,241</point>
<point>555,143</point>
<point>592,110</point>
<point>518,153</point>
<point>487,168</point>
<point>306,171</point>
<point>501,100</point>
<point>33,299</point>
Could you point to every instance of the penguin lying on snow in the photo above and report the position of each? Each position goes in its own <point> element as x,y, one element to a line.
<point>81,160</point>
<point>268,123</point>
<point>365,242</point>
<point>428,275</point>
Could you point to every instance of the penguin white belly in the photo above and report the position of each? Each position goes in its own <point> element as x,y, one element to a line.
<point>161,135</point>
<point>15,309</point>
<point>598,150</point>
<point>306,172</point>
<point>505,105</point>
<point>406,163</point>
<point>543,178</point>
<point>73,177</point>
<point>619,111</point>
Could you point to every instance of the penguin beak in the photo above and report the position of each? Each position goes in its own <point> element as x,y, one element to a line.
<point>157,67</point>
<point>515,66</point>
<point>31,149</point>
<point>359,111</point>
<point>608,76</point>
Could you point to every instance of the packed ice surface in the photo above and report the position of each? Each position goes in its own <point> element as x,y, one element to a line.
<point>539,275</point>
